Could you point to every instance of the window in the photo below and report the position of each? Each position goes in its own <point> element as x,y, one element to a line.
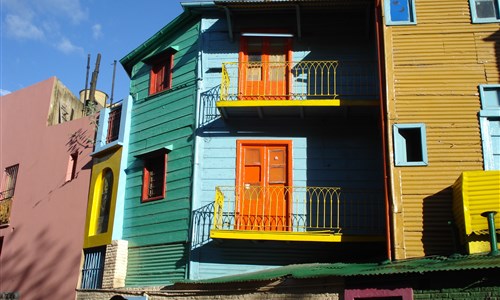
<point>161,73</point>
<point>400,12</point>
<point>71,172</point>
<point>489,120</point>
<point>105,204</point>
<point>9,182</point>
<point>410,145</point>
<point>93,268</point>
<point>154,176</point>
<point>264,66</point>
<point>484,11</point>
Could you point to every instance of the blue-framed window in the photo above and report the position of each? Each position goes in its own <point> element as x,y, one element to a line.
<point>485,11</point>
<point>489,121</point>
<point>410,145</point>
<point>400,12</point>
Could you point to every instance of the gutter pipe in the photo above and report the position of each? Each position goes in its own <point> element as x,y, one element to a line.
<point>383,125</point>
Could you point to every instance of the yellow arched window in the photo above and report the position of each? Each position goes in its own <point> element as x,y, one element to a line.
<point>104,192</point>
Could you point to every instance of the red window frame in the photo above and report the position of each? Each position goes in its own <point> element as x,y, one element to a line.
<point>154,173</point>
<point>160,78</point>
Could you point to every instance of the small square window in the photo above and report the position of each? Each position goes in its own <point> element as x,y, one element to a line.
<point>485,11</point>
<point>161,74</point>
<point>400,12</point>
<point>410,146</point>
<point>154,176</point>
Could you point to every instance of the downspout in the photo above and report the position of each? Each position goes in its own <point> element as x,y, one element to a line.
<point>229,23</point>
<point>196,160</point>
<point>383,109</point>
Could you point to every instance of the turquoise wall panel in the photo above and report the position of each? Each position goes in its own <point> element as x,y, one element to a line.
<point>163,120</point>
<point>156,265</point>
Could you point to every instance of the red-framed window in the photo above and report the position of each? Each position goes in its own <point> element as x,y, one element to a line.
<point>154,176</point>
<point>161,73</point>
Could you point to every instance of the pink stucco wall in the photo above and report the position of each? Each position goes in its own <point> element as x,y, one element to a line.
<point>41,251</point>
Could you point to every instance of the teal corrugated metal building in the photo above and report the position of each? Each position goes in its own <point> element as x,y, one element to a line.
<point>157,227</point>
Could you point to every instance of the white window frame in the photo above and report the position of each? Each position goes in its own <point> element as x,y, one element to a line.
<point>400,146</point>
<point>476,19</point>
<point>411,14</point>
<point>487,112</point>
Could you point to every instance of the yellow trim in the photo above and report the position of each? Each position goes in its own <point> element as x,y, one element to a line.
<point>277,103</point>
<point>296,103</point>
<point>314,236</point>
<point>111,161</point>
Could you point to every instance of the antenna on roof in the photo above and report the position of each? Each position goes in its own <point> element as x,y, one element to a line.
<point>113,84</point>
<point>87,79</point>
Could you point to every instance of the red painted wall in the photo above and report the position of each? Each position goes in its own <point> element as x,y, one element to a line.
<point>41,251</point>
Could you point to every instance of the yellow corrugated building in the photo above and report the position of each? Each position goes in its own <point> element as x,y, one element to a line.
<point>439,56</point>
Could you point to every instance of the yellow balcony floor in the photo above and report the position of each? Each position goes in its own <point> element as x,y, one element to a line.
<point>310,236</point>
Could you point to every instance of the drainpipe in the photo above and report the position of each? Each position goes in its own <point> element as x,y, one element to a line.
<point>381,75</point>
<point>490,215</point>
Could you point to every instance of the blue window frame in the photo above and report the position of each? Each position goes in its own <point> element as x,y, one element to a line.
<point>489,121</point>
<point>485,11</point>
<point>400,12</point>
<point>410,145</point>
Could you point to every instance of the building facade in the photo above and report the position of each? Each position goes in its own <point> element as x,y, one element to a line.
<point>329,132</point>
<point>442,80</point>
<point>45,164</point>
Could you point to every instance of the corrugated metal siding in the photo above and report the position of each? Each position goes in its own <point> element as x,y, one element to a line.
<point>434,69</point>
<point>475,193</point>
<point>158,121</point>
<point>156,265</point>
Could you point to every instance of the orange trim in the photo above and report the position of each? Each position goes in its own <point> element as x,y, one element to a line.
<point>239,155</point>
<point>243,60</point>
<point>240,163</point>
<point>383,109</point>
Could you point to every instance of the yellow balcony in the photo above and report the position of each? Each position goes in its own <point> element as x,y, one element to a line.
<point>286,213</point>
<point>288,88</point>
<point>5,208</point>
<point>474,193</point>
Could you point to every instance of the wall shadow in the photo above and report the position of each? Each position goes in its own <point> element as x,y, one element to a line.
<point>438,234</point>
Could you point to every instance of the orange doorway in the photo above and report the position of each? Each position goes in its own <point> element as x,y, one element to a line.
<point>263,178</point>
<point>264,69</point>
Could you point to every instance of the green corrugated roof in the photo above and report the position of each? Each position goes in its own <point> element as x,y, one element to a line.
<point>421,265</point>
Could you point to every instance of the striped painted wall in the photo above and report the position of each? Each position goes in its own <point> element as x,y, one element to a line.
<point>157,231</point>
<point>341,150</point>
<point>156,265</point>
<point>433,72</point>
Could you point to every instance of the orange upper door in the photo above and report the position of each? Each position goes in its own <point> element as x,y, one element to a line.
<point>263,175</point>
<point>264,68</point>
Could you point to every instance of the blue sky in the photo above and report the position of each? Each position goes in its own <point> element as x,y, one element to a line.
<point>44,38</point>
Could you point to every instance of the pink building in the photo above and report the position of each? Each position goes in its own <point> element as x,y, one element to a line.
<point>45,142</point>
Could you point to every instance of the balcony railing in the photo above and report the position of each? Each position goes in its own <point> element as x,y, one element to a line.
<point>5,208</point>
<point>303,80</point>
<point>114,124</point>
<point>297,210</point>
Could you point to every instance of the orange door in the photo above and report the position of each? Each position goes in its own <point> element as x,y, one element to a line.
<point>264,68</point>
<point>263,201</point>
